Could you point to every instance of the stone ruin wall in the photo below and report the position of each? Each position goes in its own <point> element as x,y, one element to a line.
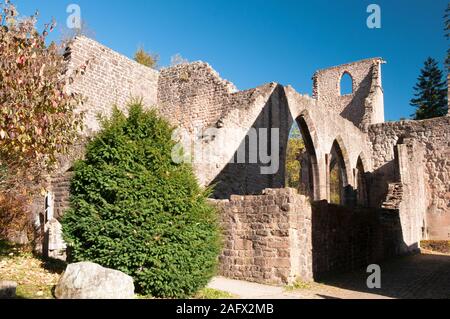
<point>191,95</point>
<point>110,79</point>
<point>434,136</point>
<point>266,237</point>
<point>365,105</point>
<point>279,237</point>
<point>246,178</point>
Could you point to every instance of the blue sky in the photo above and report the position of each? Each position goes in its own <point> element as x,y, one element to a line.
<point>251,42</point>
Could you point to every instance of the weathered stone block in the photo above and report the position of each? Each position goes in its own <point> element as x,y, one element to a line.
<point>87,280</point>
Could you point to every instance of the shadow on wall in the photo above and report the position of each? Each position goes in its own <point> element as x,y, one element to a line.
<point>246,178</point>
<point>353,111</point>
<point>377,182</point>
<point>349,238</point>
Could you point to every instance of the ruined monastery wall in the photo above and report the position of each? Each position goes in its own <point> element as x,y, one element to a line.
<point>434,136</point>
<point>110,79</point>
<point>279,237</point>
<point>365,104</point>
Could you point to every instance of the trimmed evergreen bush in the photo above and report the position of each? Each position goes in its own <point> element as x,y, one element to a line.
<point>133,209</point>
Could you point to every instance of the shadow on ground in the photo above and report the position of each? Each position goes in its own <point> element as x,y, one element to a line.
<point>34,274</point>
<point>422,276</point>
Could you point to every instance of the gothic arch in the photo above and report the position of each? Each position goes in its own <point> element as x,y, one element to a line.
<point>310,168</point>
<point>310,126</point>
<point>362,194</point>
<point>339,177</point>
<point>345,156</point>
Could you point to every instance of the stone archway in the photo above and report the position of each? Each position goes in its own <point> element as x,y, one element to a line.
<point>339,185</point>
<point>361,183</point>
<point>309,175</point>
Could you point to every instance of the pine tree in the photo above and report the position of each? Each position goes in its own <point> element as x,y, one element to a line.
<point>447,33</point>
<point>431,92</point>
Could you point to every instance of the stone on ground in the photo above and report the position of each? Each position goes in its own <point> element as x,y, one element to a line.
<point>87,280</point>
<point>8,289</point>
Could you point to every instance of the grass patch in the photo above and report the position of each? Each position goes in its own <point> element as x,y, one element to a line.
<point>210,293</point>
<point>299,285</point>
<point>35,277</point>
<point>440,246</point>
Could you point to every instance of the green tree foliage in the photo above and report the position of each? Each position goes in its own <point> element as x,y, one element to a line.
<point>335,185</point>
<point>135,210</point>
<point>447,34</point>
<point>294,149</point>
<point>145,58</point>
<point>430,92</point>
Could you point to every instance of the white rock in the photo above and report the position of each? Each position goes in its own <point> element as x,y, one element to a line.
<point>87,280</point>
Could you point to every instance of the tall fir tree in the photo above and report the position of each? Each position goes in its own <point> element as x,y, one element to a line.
<point>430,92</point>
<point>447,34</point>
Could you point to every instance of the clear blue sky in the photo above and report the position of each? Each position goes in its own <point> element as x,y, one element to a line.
<point>251,42</point>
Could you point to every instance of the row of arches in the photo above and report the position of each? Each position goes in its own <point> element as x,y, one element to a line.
<point>331,177</point>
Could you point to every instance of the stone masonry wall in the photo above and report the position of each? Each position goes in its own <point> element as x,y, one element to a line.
<point>193,94</point>
<point>266,237</point>
<point>365,104</point>
<point>110,79</point>
<point>246,178</point>
<point>434,136</point>
<point>279,237</point>
<point>345,239</point>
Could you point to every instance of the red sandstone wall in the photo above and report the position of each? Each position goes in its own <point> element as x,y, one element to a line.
<point>279,237</point>
<point>266,237</point>
<point>345,238</point>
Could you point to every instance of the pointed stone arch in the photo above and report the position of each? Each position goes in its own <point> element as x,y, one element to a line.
<point>339,175</point>
<point>360,177</point>
<point>346,158</point>
<point>309,169</point>
<point>311,128</point>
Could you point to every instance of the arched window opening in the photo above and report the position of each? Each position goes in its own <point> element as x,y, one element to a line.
<point>346,84</point>
<point>337,176</point>
<point>301,161</point>
<point>361,188</point>
<point>294,155</point>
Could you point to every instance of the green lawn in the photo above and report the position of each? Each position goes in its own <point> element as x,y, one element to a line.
<point>36,278</point>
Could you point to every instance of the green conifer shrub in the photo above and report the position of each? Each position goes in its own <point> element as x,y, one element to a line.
<point>133,209</point>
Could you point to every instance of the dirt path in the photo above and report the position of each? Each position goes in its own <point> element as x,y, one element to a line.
<point>414,277</point>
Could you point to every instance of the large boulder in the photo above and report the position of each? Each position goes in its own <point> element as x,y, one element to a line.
<point>87,280</point>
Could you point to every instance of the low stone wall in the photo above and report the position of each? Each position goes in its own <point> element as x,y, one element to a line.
<point>279,237</point>
<point>266,237</point>
<point>346,238</point>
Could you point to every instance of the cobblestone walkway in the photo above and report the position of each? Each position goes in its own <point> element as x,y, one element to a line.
<point>414,277</point>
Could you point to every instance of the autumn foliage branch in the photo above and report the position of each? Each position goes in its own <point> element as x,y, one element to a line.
<point>38,117</point>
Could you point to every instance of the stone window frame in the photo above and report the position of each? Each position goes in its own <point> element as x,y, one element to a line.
<point>341,78</point>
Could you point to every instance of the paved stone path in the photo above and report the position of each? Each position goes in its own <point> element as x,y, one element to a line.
<point>414,277</point>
